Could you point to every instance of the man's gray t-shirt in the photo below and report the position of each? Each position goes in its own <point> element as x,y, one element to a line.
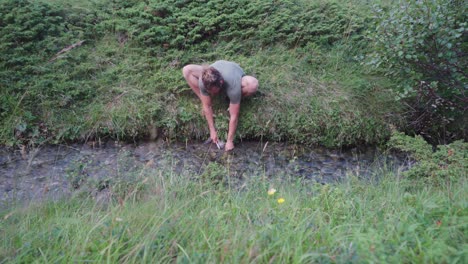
<point>232,74</point>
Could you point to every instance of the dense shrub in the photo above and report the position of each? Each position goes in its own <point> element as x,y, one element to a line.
<point>31,32</point>
<point>33,78</point>
<point>445,162</point>
<point>201,24</point>
<point>423,44</point>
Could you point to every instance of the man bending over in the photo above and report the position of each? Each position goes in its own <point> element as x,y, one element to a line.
<point>222,76</point>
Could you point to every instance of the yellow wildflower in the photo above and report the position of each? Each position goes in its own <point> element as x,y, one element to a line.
<point>281,200</point>
<point>271,191</point>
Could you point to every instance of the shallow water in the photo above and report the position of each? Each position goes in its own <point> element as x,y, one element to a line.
<point>55,171</point>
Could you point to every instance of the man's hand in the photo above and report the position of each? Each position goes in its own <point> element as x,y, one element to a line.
<point>229,146</point>
<point>214,137</point>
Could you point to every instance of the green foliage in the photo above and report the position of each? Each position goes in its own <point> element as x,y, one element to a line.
<point>214,174</point>
<point>32,33</point>
<point>448,161</point>
<point>28,34</point>
<point>423,44</point>
<point>196,25</point>
<point>176,219</point>
<point>125,78</point>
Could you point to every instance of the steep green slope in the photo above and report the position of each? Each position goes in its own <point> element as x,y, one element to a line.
<point>101,69</point>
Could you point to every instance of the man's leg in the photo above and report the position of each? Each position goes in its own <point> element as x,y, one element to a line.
<point>249,85</point>
<point>192,73</point>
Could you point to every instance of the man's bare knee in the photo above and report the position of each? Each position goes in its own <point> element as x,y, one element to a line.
<point>249,85</point>
<point>191,74</point>
<point>192,69</point>
<point>186,71</point>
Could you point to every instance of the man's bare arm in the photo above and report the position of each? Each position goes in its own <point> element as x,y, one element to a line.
<point>208,111</point>
<point>234,110</point>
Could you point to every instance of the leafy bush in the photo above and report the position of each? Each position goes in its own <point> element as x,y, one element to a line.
<point>424,46</point>
<point>447,161</point>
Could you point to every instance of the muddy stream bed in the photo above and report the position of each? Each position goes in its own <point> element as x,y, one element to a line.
<point>56,171</point>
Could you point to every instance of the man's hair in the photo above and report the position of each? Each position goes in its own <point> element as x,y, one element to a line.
<point>211,78</point>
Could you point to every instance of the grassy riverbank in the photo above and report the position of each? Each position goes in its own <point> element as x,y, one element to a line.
<point>124,81</point>
<point>331,73</point>
<point>164,217</point>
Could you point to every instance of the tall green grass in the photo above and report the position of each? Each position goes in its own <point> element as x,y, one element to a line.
<point>163,217</point>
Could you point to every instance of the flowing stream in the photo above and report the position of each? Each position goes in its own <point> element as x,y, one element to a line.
<point>56,170</point>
